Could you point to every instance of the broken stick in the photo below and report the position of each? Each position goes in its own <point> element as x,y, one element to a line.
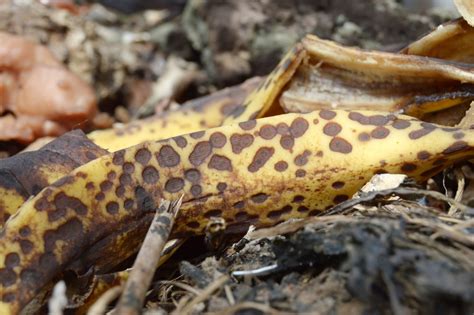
<point>141,275</point>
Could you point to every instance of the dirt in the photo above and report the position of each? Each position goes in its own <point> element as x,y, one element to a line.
<point>384,262</point>
<point>238,39</point>
<point>229,40</point>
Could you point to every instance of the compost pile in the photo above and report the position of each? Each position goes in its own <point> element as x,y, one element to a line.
<point>236,157</point>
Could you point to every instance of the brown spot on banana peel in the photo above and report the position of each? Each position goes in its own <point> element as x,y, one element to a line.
<point>76,234</point>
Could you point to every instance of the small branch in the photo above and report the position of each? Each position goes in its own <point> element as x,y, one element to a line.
<point>459,192</point>
<point>401,191</point>
<point>100,306</point>
<point>141,275</point>
<point>266,309</point>
<point>205,294</point>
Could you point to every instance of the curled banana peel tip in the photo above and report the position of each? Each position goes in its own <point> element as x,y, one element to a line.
<point>215,112</point>
<point>313,161</point>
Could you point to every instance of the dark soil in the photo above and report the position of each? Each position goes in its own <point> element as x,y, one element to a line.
<point>238,39</point>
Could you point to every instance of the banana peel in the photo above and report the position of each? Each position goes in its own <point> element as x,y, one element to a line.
<point>466,8</point>
<point>449,41</point>
<point>94,210</point>
<point>339,77</point>
<point>314,160</point>
<point>25,174</point>
<point>287,89</point>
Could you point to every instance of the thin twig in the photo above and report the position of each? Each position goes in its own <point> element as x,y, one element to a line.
<point>266,309</point>
<point>229,295</point>
<point>461,180</point>
<point>100,306</point>
<point>206,293</point>
<point>181,285</point>
<point>133,296</point>
<point>397,191</point>
<point>294,225</point>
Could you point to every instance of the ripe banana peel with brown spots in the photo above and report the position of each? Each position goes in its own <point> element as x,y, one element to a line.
<point>231,171</point>
<point>25,174</point>
<point>283,85</point>
<point>202,113</point>
<point>313,161</point>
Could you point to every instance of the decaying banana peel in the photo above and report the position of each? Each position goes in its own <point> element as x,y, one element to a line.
<point>24,175</point>
<point>265,100</point>
<point>450,41</point>
<point>334,76</point>
<point>202,113</point>
<point>99,212</point>
<point>41,168</point>
<point>466,8</point>
<point>313,161</point>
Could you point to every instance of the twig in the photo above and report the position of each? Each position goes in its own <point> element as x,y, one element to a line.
<point>206,293</point>
<point>294,225</point>
<point>266,309</point>
<point>397,191</point>
<point>133,296</point>
<point>460,190</point>
<point>229,295</point>
<point>181,285</point>
<point>100,306</point>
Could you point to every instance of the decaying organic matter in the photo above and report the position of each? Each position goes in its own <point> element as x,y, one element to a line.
<point>230,171</point>
<point>449,41</point>
<point>236,158</point>
<point>42,96</point>
<point>395,260</point>
<point>225,107</point>
<point>238,38</point>
<point>334,76</point>
<point>26,174</point>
